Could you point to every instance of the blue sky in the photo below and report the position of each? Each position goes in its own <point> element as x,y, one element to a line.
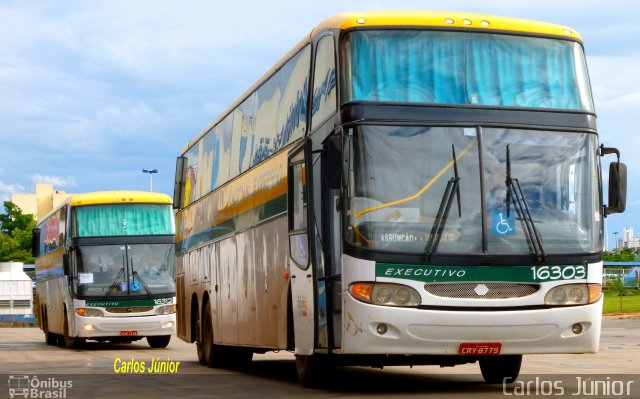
<point>92,92</point>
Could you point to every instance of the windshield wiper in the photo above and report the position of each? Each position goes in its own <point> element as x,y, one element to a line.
<point>135,274</point>
<point>120,273</point>
<point>515,194</point>
<point>453,188</point>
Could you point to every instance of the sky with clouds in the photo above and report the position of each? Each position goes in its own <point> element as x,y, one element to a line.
<point>92,92</point>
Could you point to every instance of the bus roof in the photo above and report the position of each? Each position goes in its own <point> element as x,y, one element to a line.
<point>114,197</point>
<point>110,197</point>
<point>437,19</point>
<point>445,19</point>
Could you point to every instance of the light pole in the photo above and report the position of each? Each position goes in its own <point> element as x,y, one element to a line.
<point>150,172</point>
<point>615,236</point>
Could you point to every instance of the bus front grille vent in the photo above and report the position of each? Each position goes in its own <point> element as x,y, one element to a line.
<point>134,309</point>
<point>481,290</point>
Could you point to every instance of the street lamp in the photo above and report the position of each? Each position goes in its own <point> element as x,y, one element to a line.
<point>150,172</point>
<point>615,236</point>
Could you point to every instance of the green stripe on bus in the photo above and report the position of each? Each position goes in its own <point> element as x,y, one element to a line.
<point>121,304</point>
<point>449,274</point>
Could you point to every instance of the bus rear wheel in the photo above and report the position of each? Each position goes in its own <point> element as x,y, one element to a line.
<point>49,337</point>
<point>500,369</point>
<point>159,341</point>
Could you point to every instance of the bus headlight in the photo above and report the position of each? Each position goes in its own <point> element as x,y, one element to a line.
<point>573,294</point>
<point>89,312</point>
<point>167,309</point>
<point>385,294</point>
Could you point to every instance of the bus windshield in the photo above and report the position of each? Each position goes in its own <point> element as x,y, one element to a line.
<point>114,271</point>
<point>123,220</point>
<point>399,176</point>
<point>419,66</point>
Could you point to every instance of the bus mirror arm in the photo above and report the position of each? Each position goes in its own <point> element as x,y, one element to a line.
<point>617,182</point>
<point>35,243</point>
<point>334,161</point>
<point>65,264</point>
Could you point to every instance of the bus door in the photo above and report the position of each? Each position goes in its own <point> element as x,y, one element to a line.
<point>301,270</point>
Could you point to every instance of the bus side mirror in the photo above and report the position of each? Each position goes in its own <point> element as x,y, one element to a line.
<point>617,188</point>
<point>181,163</point>
<point>35,243</point>
<point>334,162</point>
<point>65,264</point>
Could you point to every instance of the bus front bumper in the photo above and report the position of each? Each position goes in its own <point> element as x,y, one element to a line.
<point>125,327</point>
<point>442,332</point>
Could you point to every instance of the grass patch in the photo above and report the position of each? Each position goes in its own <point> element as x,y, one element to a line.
<point>621,304</point>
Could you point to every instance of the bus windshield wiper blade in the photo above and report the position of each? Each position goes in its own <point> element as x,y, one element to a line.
<point>135,274</point>
<point>120,273</point>
<point>515,194</point>
<point>453,188</point>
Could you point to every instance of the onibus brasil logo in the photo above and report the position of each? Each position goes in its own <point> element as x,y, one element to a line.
<point>24,386</point>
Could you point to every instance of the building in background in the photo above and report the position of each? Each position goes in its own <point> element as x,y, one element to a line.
<point>16,293</point>
<point>41,202</point>
<point>629,240</point>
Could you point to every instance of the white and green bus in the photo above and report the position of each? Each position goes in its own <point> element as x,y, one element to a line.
<point>401,188</point>
<point>105,269</point>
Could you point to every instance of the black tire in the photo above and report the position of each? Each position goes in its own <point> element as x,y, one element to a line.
<point>159,341</point>
<point>500,369</point>
<point>211,353</point>
<point>310,369</point>
<point>49,337</point>
<point>198,340</point>
<point>67,340</point>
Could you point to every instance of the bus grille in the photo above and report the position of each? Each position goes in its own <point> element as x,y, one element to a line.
<point>135,309</point>
<point>481,290</point>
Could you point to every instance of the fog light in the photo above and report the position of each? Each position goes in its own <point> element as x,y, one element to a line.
<point>88,327</point>
<point>577,328</point>
<point>168,324</point>
<point>381,328</point>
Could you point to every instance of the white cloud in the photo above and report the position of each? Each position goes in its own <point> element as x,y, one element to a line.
<point>57,181</point>
<point>7,189</point>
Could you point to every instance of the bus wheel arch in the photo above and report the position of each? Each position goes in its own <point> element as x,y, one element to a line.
<point>67,340</point>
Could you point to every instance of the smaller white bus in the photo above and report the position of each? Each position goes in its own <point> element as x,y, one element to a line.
<point>105,269</point>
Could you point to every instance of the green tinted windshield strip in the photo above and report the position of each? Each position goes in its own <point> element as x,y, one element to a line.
<point>124,220</point>
<point>413,66</point>
<point>451,274</point>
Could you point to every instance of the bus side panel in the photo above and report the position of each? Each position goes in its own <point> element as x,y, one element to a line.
<point>52,297</point>
<point>272,257</point>
<point>228,305</point>
<point>247,311</point>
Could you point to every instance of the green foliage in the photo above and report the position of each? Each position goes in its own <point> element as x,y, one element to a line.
<point>16,231</point>
<point>626,255</point>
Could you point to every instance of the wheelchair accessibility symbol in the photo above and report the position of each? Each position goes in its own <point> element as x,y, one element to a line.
<point>134,285</point>
<point>501,225</point>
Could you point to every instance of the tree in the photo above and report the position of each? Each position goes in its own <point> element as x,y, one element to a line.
<point>16,231</point>
<point>13,219</point>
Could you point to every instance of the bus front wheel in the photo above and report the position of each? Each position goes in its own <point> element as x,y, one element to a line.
<point>310,369</point>
<point>500,369</point>
<point>67,340</point>
<point>159,341</point>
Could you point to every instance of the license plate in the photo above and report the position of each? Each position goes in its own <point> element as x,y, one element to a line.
<point>486,348</point>
<point>128,333</point>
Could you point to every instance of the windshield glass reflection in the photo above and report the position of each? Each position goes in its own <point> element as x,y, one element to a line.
<point>398,178</point>
<point>119,270</point>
